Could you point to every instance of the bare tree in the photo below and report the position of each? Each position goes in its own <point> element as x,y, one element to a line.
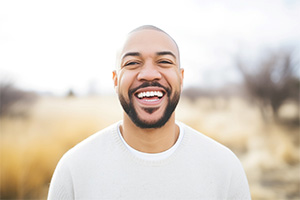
<point>272,81</point>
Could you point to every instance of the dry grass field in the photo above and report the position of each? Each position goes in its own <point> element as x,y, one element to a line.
<point>31,146</point>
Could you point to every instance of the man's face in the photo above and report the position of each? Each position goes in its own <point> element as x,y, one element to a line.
<point>149,80</point>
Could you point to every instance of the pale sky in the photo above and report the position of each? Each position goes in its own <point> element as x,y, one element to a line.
<point>53,46</point>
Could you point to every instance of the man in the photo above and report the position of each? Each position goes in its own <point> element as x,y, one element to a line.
<point>148,155</point>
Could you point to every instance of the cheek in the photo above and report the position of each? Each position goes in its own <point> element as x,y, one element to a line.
<point>125,81</point>
<point>173,79</point>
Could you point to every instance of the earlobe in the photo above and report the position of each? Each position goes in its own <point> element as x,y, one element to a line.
<point>115,78</point>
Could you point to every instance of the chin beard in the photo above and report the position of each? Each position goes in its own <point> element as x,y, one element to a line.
<point>131,112</point>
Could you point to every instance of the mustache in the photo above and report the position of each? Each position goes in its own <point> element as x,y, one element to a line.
<point>148,84</point>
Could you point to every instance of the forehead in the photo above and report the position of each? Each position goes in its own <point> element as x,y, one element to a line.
<point>149,42</point>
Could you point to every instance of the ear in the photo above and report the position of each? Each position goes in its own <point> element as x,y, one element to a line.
<point>115,79</point>
<point>181,77</point>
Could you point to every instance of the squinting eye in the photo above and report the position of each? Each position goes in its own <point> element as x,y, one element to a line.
<point>131,63</point>
<point>165,62</point>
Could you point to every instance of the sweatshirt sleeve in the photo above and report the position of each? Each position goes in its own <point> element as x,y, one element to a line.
<point>239,187</point>
<point>61,186</point>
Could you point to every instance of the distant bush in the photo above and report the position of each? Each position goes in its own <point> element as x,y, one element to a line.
<point>10,96</point>
<point>272,81</point>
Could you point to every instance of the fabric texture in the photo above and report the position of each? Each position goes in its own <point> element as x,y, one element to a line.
<point>154,156</point>
<point>102,167</point>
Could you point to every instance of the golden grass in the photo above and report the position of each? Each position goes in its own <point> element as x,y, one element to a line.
<point>31,147</point>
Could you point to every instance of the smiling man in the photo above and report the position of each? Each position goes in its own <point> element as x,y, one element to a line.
<point>149,155</point>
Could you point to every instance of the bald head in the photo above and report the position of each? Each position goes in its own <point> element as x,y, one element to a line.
<point>153,33</point>
<point>149,27</point>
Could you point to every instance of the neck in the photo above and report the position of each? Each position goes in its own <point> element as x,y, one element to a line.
<point>152,140</point>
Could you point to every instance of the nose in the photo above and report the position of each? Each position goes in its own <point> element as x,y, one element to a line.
<point>149,72</point>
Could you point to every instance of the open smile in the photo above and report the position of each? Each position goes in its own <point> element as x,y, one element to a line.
<point>150,96</point>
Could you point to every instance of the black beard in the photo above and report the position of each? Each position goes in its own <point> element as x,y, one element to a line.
<point>131,112</point>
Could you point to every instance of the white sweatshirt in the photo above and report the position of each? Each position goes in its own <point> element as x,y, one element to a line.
<point>102,167</point>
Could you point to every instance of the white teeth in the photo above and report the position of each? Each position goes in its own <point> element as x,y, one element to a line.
<point>149,94</point>
<point>140,95</point>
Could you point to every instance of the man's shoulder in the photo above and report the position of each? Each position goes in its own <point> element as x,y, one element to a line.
<point>95,144</point>
<point>201,142</point>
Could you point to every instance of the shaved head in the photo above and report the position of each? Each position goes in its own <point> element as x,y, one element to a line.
<point>148,27</point>
<point>151,27</point>
<point>143,28</point>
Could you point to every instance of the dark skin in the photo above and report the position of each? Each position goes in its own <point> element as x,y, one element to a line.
<point>149,81</point>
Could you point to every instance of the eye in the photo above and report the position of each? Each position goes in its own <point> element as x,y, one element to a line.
<point>165,62</point>
<point>131,63</point>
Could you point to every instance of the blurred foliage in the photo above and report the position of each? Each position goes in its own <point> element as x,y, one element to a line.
<point>10,97</point>
<point>70,94</point>
<point>272,81</point>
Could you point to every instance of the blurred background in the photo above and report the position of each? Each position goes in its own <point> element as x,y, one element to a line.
<point>241,87</point>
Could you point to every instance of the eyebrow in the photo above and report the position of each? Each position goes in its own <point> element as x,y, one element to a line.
<point>131,54</point>
<point>161,53</point>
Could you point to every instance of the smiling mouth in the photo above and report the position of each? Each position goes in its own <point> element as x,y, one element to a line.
<point>150,96</point>
<point>150,99</point>
<point>149,92</point>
